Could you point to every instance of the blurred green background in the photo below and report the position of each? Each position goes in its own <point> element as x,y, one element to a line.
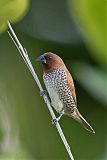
<point>75,30</point>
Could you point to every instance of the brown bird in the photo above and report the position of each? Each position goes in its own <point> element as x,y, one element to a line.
<point>60,86</point>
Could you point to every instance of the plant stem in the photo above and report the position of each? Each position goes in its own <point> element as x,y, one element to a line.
<point>26,59</point>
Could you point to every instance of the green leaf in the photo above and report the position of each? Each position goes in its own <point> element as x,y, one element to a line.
<point>12,10</point>
<point>49,20</point>
<point>90,15</point>
<point>93,80</point>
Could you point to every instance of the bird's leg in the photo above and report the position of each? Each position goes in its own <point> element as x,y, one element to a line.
<point>54,121</point>
<point>42,93</point>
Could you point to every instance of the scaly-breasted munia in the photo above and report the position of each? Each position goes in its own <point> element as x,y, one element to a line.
<point>60,86</point>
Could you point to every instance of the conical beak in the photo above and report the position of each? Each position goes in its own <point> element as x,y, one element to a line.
<point>41,59</point>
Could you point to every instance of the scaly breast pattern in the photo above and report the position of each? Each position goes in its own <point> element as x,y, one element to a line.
<point>59,91</point>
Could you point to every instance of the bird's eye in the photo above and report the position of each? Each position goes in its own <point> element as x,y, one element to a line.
<point>49,57</point>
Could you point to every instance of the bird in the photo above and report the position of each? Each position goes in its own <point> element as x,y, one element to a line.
<point>60,87</point>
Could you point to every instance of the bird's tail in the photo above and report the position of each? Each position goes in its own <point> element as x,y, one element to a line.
<point>78,117</point>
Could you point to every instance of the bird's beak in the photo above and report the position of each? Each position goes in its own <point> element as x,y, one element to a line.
<point>41,59</point>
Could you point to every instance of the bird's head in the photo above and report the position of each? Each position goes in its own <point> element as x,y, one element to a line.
<point>50,61</point>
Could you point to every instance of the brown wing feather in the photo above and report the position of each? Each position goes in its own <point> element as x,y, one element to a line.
<point>71,85</point>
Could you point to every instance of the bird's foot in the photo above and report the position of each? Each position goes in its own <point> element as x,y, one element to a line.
<point>55,121</point>
<point>42,93</point>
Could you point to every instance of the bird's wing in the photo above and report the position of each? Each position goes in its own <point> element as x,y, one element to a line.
<point>71,85</point>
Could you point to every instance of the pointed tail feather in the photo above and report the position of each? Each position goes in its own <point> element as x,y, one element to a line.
<point>85,124</point>
<point>78,117</point>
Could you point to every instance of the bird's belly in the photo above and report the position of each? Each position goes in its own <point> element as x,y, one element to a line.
<point>55,100</point>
